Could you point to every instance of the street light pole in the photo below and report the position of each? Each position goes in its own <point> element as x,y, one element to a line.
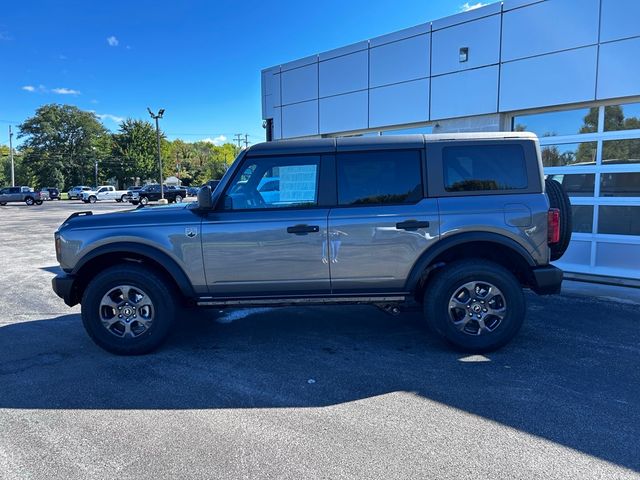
<point>13,174</point>
<point>156,118</point>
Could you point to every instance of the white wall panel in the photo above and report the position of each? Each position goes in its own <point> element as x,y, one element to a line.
<point>344,74</point>
<point>472,92</point>
<point>554,79</point>
<point>300,84</point>
<point>620,19</point>
<point>619,69</point>
<point>300,119</point>
<point>548,27</point>
<point>481,37</point>
<point>344,112</point>
<point>399,61</point>
<point>398,104</point>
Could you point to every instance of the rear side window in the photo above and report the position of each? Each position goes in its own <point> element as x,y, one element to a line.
<point>484,167</point>
<point>378,178</point>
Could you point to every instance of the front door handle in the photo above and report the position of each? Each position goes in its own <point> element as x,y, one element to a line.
<point>303,229</point>
<point>411,225</point>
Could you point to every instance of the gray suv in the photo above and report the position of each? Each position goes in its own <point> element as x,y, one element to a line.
<point>454,225</point>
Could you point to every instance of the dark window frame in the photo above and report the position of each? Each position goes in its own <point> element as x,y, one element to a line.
<point>435,162</point>
<point>421,164</point>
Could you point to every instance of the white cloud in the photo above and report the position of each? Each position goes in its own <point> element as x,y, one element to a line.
<point>65,91</point>
<point>219,140</point>
<point>471,6</point>
<point>113,41</point>
<point>29,88</point>
<point>108,116</point>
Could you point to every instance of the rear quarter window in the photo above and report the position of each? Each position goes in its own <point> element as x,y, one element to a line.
<point>473,168</point>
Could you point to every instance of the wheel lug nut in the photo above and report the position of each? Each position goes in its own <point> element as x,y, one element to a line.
<point>119,316</point>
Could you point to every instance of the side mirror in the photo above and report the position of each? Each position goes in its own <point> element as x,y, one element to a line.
<point>204,198</point>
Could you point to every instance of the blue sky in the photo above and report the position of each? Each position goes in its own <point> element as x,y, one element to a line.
<point>200,60</point>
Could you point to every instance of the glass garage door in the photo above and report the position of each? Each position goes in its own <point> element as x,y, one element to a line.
<point>595,153</point>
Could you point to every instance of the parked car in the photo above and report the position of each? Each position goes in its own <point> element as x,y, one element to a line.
<point>192,191</point>
<point>104,192</point>
<point>151,193</point>
<point>213,184</point>
<point>76,192</point>
<point>22,194</point>
<point>54,193</point>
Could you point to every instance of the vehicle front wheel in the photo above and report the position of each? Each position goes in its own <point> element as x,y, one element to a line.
<point>38,202</point>
<point>178,199</point>
<point>92,199</point>
<point>476,305</point>
<point>144,200</point>
<point>123,198</point>
<point>29,201</point>
<point>128,310</point>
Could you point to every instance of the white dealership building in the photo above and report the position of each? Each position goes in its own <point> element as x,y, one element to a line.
<point>568,70</point>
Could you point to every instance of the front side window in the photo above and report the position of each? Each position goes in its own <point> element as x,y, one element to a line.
<point>484,168</point>
<point>378,178</point>
<point>275,182</point>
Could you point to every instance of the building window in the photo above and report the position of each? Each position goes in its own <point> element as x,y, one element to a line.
<point>619,220</point>
<point>622,117</point>
<point>620,184</point>
<point>577,185</point>
<point>565,122</point>
<point>566,154</point>
<point>582,218</point>
<point>621,151</point>
<point>409,131</point>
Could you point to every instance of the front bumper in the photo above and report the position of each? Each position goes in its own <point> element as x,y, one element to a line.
<point>63,286</point>
<point>547,280</point>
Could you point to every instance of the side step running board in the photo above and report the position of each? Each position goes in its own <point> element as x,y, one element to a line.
<point>279,302</point>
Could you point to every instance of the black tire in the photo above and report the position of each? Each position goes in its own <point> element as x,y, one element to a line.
<point>146,280</point>
<point>178,199</point>
<point>144,200</point>
<point>29,201</point>
<point>559,199</point>
<point>123,198</point>
<point>3,203</point>
<point>92,199</point>
<point>134,202</point>
<point>38,202</point>
<point>449,280</point>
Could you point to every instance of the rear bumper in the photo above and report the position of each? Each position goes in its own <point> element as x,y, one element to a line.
<point>62,285</point>
<point>547,280</point>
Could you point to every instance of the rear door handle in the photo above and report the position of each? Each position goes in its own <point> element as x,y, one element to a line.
<point>303,229</point>
<point>412,225</point>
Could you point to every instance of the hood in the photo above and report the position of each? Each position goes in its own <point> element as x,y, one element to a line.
<point>142,217</point>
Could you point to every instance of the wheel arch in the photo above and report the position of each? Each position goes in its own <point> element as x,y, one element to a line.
<point>123,252</point>
<point>482,245</point>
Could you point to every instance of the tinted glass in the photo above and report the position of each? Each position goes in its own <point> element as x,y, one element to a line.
<point>275,183</point>
<point>622,117</point>
<point>620,184</point>
<point>484,167</point>
<point>567,122</point>
<point>621,151</point>
<point>619,220</point>
<point>577,185</point>
<point>409,131</point>
<point>582,218</point>
<point>566,154</point>
<point>375,178</point>
<point>15,190</point>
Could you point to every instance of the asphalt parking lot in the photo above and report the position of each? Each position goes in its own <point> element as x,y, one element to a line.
<point>294,393</point>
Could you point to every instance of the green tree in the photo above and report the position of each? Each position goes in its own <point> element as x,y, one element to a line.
<point>133,153</point>
<point>61,145</point>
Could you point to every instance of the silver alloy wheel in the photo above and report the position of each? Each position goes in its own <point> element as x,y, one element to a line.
<point>477,308</point>
<point>126,311</point>
<point>144,200</point>
<point>92,199</point>
<point>29,201</point>
<point>178,199</point>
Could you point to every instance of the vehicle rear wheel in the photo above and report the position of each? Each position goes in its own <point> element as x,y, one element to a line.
<point>3,203</point>
<point>144,200</point>
<point>559,199</point>
<point>123,198</point>
<point>38,202</point>
<point>476,305</point>
<point>128,310</point>
<point>29,201</point>
<point>178,199</point>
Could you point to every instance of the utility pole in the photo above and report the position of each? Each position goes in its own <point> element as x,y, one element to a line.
<point>96,173</point>
<point>156,118</point>
<point>246,141</point>
<point>13,174</point>
<point>238,138</point>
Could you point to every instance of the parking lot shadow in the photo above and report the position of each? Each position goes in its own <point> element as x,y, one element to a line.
<point>571,376</point>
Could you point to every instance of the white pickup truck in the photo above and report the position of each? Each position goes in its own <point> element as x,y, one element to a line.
<point>104,192</point>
